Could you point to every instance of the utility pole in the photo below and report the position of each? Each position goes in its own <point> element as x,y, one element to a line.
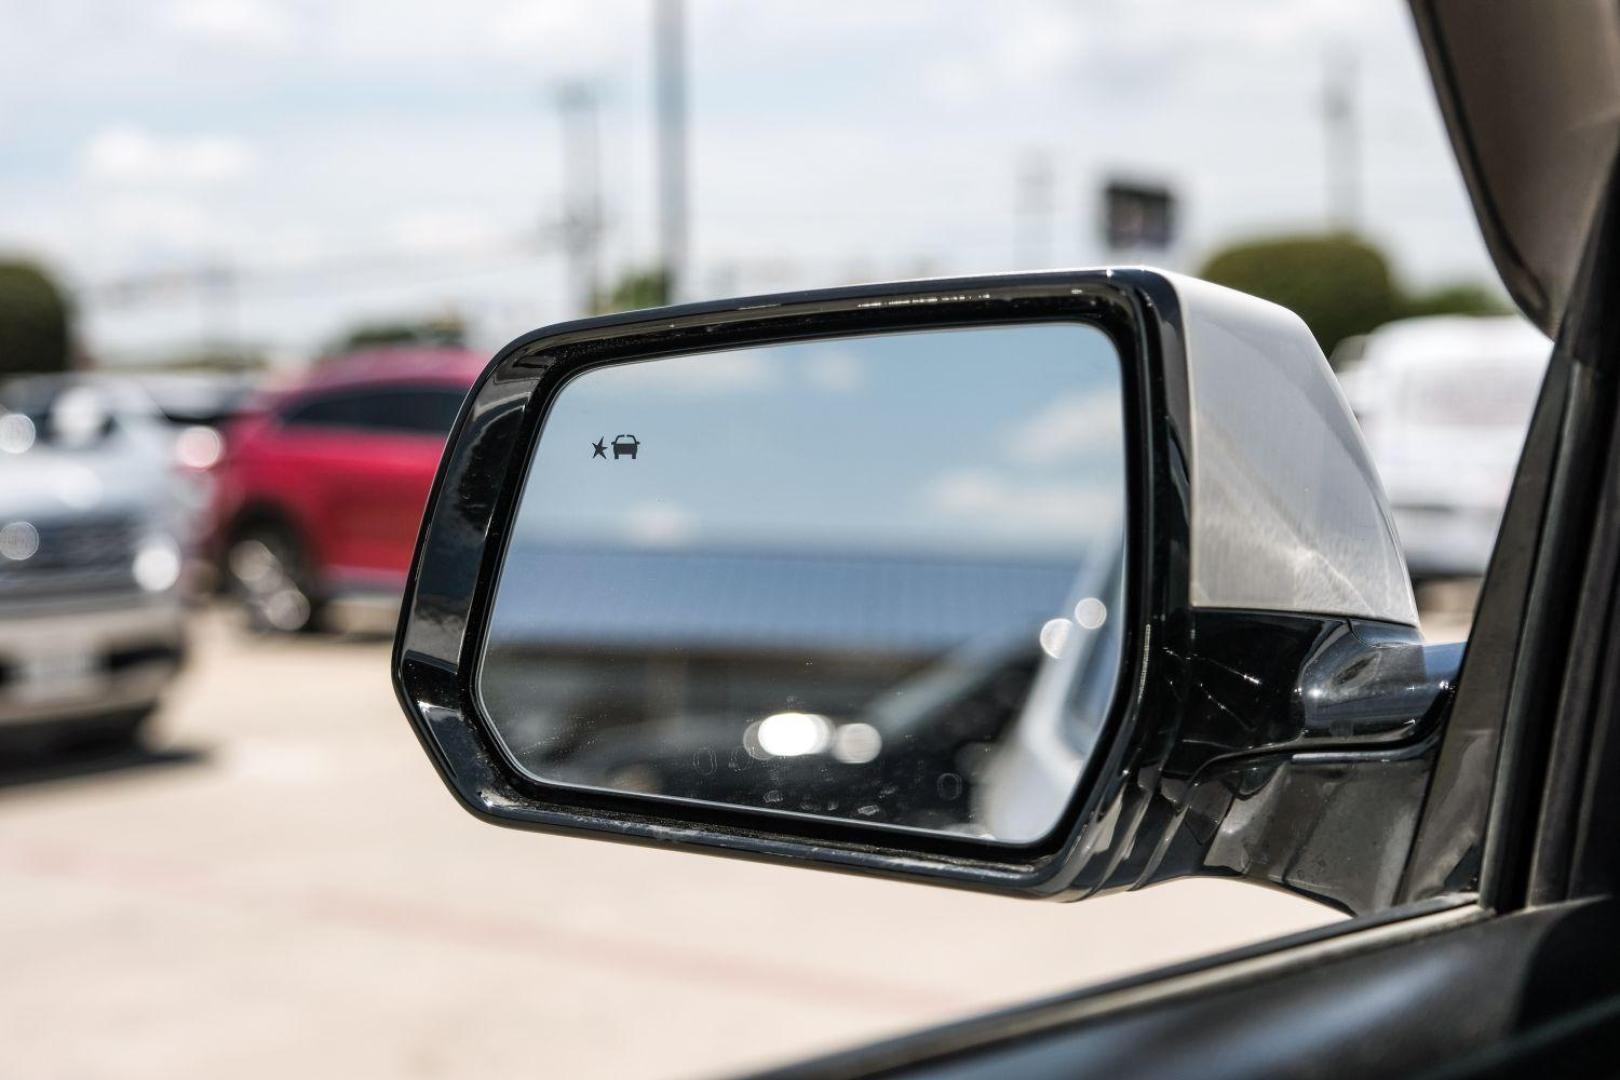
<point>577,108</point>
<point>216,294</point>
<point>669,30</point>
<point>1342,137</point>
<point>1036,204</point>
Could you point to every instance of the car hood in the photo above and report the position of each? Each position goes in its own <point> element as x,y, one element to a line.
<point>1440,467</point>
<point>1530,92</point>
<point>47,484</point>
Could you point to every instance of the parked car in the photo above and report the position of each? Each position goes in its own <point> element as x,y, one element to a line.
<point>1272,715</point>
<point>175,419</point>
<point>1444,403</point>
<point>188,398</point>
<point>91,535</point>
<point>320,488</point>
<point>195,407</point>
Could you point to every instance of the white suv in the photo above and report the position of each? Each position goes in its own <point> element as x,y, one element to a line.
<point>91,531</point>
<point>1444,403</point>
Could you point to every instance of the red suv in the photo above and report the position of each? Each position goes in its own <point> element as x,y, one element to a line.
<point>322,484</point>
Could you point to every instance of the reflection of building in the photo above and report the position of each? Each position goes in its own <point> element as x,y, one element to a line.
<point>603,637</point>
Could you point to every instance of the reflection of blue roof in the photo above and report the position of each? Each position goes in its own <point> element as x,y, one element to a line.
<point>553,595</point>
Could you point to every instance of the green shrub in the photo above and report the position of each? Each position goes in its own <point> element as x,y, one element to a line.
<point>34,321</point>
<point>1457,299</point>
<point>635,289</point>
<point>1339,284</point>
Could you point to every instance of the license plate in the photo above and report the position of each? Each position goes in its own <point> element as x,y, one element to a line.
<point>59,673</point>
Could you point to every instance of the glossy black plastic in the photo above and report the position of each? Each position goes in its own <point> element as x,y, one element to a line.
<point>1217,758</point>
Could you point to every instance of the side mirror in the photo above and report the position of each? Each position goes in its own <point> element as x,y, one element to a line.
<point>1048,584</point>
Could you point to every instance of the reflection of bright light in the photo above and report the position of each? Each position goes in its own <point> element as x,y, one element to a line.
<point>1055,636</point>
<point>856,744</point>
<point>78,416</point>
<point>157,564</point>
<point>791,734</point>
<point>1090,613</point>
<point>198,447</point>
<point>16,433</point>
<point>18,541</point>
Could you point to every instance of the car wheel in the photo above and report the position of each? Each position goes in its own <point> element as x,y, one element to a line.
<point>116,731</point>
<point>40,741</point>
<point>267,571</point>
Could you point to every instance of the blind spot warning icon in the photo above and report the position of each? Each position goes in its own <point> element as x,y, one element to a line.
<point>626,446</point>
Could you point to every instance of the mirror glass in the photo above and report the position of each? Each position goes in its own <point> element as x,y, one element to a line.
<point>875,578</point>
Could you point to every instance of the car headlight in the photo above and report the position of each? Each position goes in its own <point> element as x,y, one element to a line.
<point>157,563</point>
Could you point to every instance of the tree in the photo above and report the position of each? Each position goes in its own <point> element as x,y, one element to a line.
<point>445,330</point>
<point>1460,298</point>
<point>35,321</point>
<point>635,289</point>
<point>1338,283</point>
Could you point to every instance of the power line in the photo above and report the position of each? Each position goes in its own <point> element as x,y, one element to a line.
<point>354,268</point>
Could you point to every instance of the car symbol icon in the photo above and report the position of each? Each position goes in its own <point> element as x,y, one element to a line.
<point>625,444</point>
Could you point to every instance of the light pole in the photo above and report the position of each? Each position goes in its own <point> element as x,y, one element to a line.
<point>669,27</point>
<point>1343,147</point>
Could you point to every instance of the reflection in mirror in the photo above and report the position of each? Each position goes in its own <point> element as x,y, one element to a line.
<point>876,579</point>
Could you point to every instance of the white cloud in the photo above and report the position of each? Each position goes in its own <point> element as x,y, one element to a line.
<point>254,24</point>
<point>588,35</point>
<point>1070,427</point>
<point>146,220</point>
<point>131,155</point>
<point>452,228</point>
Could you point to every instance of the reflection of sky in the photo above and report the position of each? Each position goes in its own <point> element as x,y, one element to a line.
<point>995,440</point>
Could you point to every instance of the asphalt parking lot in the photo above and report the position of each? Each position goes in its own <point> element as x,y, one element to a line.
<point>281,887</point>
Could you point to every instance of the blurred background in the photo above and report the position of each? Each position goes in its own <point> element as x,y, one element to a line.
<point>252,254</point>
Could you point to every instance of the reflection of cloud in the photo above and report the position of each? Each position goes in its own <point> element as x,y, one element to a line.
<point>1069,427</point>
<point>835,370</point>
<point>658,524</point>
<point>711,373</point>
<point>1039,511</point>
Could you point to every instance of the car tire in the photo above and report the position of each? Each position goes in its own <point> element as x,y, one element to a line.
<point>266,569</point>
<point>124,730</point>
<point>42,741</point>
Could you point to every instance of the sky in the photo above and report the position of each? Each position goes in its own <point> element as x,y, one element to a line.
<point>337,163</point>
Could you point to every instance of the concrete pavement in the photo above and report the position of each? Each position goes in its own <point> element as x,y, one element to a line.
<point>294,894</point>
